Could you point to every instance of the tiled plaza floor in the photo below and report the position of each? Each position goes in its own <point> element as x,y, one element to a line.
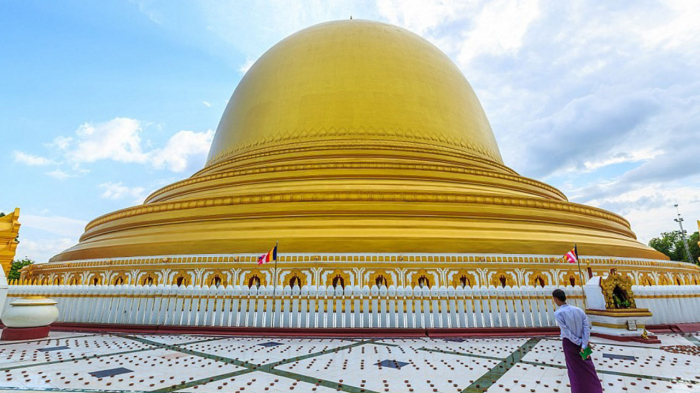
<point>74,362</point>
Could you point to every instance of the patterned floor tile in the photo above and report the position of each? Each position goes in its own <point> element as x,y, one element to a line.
<point>250,350</point>
<point>425,371</point>
<point>192,363</point>
<point>78,347</point>
<point>491,347</point>
<point>259,382</point>
<point>151,369</point>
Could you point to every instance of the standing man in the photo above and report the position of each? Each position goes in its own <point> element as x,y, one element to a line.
<point>575,333</point>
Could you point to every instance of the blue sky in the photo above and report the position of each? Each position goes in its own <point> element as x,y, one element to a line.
<point>106,101</point>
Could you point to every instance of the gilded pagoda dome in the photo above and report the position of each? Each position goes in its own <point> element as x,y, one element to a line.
<point>348,80</point>
<point>355,141</point>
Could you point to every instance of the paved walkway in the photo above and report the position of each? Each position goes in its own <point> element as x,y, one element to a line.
<point>186,363</point>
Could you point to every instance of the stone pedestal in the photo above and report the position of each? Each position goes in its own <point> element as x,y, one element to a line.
<point>29,318</point>
<point>28,333</point>
<point>621,325</point>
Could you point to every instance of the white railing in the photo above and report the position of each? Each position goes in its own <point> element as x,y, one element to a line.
<point>669,304</point>
<point>351,307</point>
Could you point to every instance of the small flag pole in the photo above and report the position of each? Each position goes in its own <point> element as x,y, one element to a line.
<point>274,285</point>
<point>580,274</point>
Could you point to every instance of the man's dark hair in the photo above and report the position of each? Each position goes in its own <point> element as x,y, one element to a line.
<point>559,294</point>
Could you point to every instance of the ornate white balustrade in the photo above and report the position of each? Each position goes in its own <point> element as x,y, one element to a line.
<point>351,307</point>
<point>669,304</point>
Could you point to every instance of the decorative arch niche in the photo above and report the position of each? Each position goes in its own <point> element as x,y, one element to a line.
<point>73,279</point>
<point>94,279</point>
<point>501,279</point>
<point>120,279</point>
<point>463,279</point>
<point>148,279</point>
<point>379,278</point>
<point>423,279</point>
<point>572,280</point>
<point>216,279</point>
<point>295,278</point>
<point>338,278</point>
<point>537,279</point>
<point>182,279</point>
<point>254,278</point>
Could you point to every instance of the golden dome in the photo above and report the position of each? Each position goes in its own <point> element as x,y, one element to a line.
<point>355,137</point>
<point>354,79</point>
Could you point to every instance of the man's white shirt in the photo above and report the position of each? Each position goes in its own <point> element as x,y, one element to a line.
<point>573,324</point>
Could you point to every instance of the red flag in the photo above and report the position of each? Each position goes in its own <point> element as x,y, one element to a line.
<point>268,257</point>
<point>571,256</point>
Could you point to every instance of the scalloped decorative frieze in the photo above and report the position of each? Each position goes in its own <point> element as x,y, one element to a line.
<point>354,165</point>
<point>297,134</point>
<point>353,196</point>
<point>354,144</point>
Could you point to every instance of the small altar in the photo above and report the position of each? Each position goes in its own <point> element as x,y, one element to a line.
<point>611,308</point>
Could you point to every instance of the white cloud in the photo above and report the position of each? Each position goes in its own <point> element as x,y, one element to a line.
<point>59,174</point>
<point>43,236</point>
<point>120,191</point>
<point>30,159</point>
<point>649,208</point>
<point>674,28</point>
<point>421,16</point>
<point>499,28</point>
<point>42,249</point>
<point>493,27</point>
<point>206,103</point>
<point>118,139</point>
<point>61,142</point>
<point>57,225</point>
<point>623,157</point>
<point>181,148</point>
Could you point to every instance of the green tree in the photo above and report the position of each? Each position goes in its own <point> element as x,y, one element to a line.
<point>671,244</point>
<point>17,265</point>
<point>694,247</point>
